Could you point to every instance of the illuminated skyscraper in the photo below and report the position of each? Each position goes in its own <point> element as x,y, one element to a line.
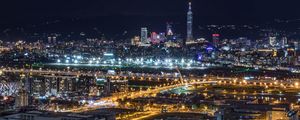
<point>284,42</point>
<point>190,24</point>
<point>169,30</point>
<point>136,40</point>
<point>54,40</point>
<point>144,35</point>
<point>49,40</point>
<point>215,39</point>
<point>154,38</point>
<point>296,45</point>
<point>272,41</point>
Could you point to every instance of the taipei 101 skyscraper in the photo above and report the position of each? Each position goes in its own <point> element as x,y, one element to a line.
<point>189,24</point>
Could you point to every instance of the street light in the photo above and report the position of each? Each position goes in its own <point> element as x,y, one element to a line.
<point>296,84</point>
<point>76,61</point>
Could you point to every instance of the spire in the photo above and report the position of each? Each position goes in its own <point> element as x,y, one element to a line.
<point>190,6</point>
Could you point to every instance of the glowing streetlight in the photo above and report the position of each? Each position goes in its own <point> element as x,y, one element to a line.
<point>189,65</point>
<point>297,84</point>
<point>76,61</point>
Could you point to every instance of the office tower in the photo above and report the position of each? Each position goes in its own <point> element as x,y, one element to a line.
<point>54,40</point>
<point>154,38</point>
<point>296,45</point>
<point>284,42</point>
<point>215,39</point>
<point>169,29</point>
<point>272,41</point>
<point>162,37</point>
<point>144,35</point>
<point>135,40</point>
<point>190,24</point>
<point>169,32</point>
<point>49,40</point>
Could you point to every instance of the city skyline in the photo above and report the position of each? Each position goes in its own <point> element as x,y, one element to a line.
<point>113,24</point>
<point>149,60</point>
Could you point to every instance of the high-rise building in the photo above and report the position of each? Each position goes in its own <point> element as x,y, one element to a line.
<point>135,40</point>
<point>284,42</point>
<point>49,40</point>
<point>189,24</point>
<point>162,37</point>
<point>296,45</point>
<point>215,39</point>
<point>272,41</point>
<point>169,32</point>
<point>54,40</point>
<point>144,35</point>
<point>169,29</point>
<point>155,38</point>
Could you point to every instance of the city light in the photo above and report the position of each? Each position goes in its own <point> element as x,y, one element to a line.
<point>76,61</point>
<point>91,67</point>
<point>108,54</point>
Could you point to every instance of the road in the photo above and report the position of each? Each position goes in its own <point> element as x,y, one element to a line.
<point>111,101</point>
<point>56,72</point>
<point>53,73</point>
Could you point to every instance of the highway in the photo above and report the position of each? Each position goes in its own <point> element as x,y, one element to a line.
<point>111,101</point>
<point>287,83</point>
<point>49,72</point>
<point>54,73</point>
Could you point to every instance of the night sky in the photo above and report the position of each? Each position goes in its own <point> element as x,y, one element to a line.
<point>113,17</point>
<point>237,10</point>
